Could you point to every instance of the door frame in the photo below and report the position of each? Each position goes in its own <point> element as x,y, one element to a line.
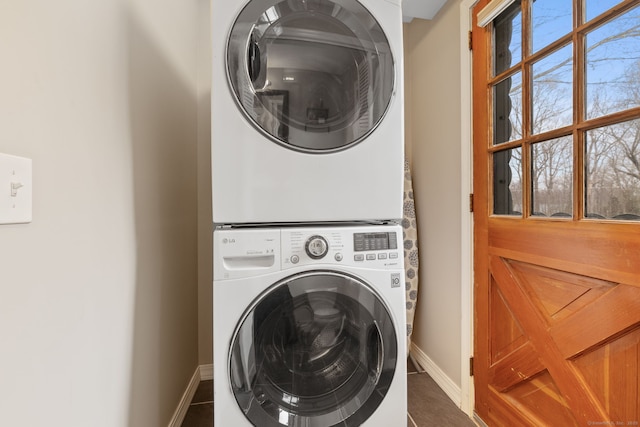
<point>467,400</point>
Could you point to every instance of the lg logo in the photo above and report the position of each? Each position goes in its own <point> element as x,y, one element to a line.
<point>225,241</point>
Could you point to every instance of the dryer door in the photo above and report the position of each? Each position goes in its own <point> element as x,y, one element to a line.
<point>317,349</point>
<point>313,75</point>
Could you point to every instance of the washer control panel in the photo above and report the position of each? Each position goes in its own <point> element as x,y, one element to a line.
<point>367,246</point>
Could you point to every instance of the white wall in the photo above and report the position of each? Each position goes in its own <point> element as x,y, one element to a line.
<point>98,295</point>
<point>433,146</point>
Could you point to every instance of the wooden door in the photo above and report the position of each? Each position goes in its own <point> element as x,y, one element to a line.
<point>556,209</point>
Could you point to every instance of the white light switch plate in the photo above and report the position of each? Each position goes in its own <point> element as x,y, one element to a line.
<point>16,185</point>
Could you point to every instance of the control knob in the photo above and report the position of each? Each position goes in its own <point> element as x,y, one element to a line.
<point>316,247</point>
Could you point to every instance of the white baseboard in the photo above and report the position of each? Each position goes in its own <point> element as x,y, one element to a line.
<point>447,385</point>
<point>202,372</point>
<point>206,372</point>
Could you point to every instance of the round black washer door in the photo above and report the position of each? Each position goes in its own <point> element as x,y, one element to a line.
<point>312,75</point>
<point>316,349</point>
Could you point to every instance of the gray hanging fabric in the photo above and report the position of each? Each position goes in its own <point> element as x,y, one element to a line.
<point>410,235</point>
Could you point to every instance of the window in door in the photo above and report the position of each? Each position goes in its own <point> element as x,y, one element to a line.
<point>565,90</point>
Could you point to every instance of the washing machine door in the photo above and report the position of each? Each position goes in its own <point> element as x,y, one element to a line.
<point>317,350</point>
<point>312,75</point>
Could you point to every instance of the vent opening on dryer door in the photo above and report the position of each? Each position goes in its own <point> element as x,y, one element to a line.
<point>315,76</point>
<point>248,262</point>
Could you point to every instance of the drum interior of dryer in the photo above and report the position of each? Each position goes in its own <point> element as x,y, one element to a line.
<point>317,349</point>
<point>313,75</point>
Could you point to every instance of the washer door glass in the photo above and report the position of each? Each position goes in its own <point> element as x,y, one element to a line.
<point>317,350</point>
<point>313,75</point>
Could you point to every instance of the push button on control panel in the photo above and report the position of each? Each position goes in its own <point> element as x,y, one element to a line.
<point>372,257</point>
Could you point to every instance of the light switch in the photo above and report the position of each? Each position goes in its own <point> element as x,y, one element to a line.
<point>16,184</point>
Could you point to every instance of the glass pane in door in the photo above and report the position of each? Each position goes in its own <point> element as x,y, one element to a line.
<point>551,20</point>
<point>613,65</point>
<point>552,95</point>
<point>552,178</point>
<point>507,109</point>
<point>594,8</point>
<point>508,38</point>
<point>612,162</point>
<point>507,182</point>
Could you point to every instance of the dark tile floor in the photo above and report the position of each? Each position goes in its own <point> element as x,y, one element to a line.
<point>428,404</point>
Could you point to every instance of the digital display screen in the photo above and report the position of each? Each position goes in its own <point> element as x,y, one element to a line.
<point>374,241</point>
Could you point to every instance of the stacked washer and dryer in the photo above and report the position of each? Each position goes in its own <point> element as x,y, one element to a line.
<point>307,160</point>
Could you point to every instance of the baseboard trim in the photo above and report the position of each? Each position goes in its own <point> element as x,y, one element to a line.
<point>202,372</point>
<point>206,372</point>
<point>447,385</point>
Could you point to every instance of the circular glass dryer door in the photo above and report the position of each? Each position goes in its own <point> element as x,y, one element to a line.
<point>312,75</point>
<point>317,350</point>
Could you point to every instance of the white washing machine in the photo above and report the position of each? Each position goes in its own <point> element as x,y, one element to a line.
<point>307,110</point>
<point>309,327</point>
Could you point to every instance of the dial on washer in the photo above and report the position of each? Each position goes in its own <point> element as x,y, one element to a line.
<point>316,247</point>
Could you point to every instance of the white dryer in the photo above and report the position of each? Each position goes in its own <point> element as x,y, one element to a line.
<point>307,110</point>
<point>309,327</point>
